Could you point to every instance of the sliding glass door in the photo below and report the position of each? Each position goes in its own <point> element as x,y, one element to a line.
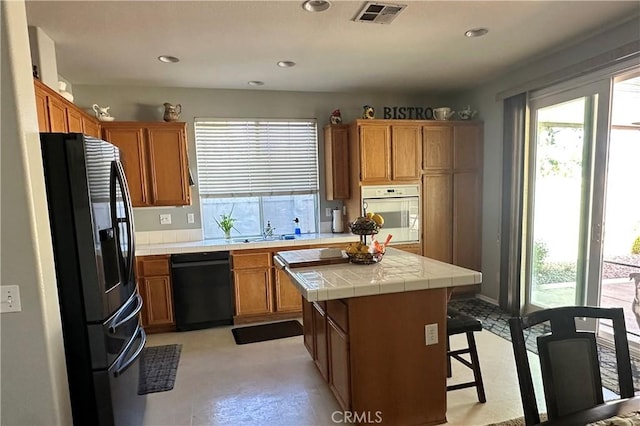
<point>564,207</point>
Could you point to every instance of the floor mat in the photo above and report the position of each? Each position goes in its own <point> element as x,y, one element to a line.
<point>158,368</point>
<point>261,333</point>
<point>496,321</point>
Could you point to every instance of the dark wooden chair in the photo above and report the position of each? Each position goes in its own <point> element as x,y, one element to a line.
<point>458,323</point>
<point>568,360</point>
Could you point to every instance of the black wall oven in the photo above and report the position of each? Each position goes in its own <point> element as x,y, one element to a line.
<point>92,233</point>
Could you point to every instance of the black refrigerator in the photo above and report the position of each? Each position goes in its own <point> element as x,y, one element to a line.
<point>94,252</point>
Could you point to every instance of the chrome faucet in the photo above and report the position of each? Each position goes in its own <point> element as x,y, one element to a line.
<point>268,230</point>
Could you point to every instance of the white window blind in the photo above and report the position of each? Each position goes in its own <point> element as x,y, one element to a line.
<point>256,157</point>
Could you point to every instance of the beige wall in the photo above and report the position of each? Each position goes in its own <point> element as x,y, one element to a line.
<point>34,383</point>
<point>145,104</point>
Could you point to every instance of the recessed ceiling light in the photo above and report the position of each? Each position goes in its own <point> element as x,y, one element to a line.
<point>476,32</point>
<point>256,83</point>
<point>168,59</point>
<point>286,64</point>
<point>316,5</point>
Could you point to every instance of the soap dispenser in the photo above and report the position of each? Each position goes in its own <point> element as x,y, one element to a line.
<point>297,230</point>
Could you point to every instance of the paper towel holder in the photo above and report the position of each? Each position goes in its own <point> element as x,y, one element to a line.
<point>337,226</point>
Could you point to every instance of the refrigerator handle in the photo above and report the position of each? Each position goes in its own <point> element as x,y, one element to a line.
<point>118,177</point>
<point>121,364</point>
<point>117,322</point>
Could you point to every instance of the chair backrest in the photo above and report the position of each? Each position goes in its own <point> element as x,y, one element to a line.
<point>568,360</point>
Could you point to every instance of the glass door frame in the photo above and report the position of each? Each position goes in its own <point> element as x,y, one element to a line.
<point>595,155</point>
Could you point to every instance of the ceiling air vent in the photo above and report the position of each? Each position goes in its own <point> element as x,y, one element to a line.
<point>379,13</point>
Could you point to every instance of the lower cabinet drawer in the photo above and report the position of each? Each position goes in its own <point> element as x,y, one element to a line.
<point>251,260</point>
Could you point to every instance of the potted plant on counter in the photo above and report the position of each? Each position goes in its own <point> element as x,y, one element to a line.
<point>226,223</point>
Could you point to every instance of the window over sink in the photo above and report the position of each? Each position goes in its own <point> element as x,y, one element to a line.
<point>260,170</point>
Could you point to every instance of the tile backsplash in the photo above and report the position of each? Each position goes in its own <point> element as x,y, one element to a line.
<point>171,236</point>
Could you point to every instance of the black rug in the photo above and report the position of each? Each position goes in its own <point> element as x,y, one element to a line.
<point>261,333</point>
<point>496,321</point>
<point>158,368</point>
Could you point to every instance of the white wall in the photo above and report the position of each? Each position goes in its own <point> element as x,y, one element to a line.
<point>145,104</point>
<point>43,55</point>
<point>34,387</point>
<point>526,76</point>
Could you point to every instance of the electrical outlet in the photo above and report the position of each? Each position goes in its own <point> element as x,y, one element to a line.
<point>344,210</point>
<point>327,212</point>
<point>10,298</point>
<point>165,219</point>
<point>191,218</point>
<point>431,334</point>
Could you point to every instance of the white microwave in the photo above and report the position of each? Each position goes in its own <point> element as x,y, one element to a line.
<point>399,205</point>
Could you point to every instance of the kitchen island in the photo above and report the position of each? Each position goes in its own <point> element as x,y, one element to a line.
<point>377,333</point>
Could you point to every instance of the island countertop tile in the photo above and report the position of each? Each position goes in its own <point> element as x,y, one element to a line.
<point>398,271</point>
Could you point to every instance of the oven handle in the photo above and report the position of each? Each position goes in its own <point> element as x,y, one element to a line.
<point>116,322</point>
<point>122,366</point>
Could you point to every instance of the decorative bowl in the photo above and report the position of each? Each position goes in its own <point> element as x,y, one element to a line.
<point>364,226</point>
<point>365,258</point>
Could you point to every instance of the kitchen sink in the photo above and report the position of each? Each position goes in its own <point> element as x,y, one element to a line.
<point>261,239</point>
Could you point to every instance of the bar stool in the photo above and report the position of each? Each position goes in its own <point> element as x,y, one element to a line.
<point>458,323</point>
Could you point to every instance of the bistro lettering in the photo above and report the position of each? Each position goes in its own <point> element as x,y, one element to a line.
<point>408,113</point>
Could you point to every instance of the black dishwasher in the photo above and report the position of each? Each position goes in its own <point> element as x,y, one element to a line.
<point>202,290</point>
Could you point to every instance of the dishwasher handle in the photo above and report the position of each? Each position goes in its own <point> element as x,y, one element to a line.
<point>199,263</point>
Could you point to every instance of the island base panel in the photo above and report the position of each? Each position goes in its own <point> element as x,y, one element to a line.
<point>393,371</point>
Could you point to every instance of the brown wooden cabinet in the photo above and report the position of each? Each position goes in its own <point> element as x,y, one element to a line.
<point>308,329</point>
<point>385,151</point>
<point>320,332</point>
<point>252,282</point>
<point>287,296</point>
<point>336,161</point>
<point>367,351</point>
<point>154,156</point>
<point>154,284</point>
<point>452,193</point>
<point>56,114</point>
<point>91,127</point>
<point>411,248</point>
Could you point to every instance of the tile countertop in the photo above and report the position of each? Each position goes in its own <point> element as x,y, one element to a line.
<point>398,271</point>
<point>224,245</point>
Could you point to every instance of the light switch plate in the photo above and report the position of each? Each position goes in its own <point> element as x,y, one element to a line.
<point>10,299</point>
<point>431,334</point>
<point>327,212</point>
<point>165,219</point>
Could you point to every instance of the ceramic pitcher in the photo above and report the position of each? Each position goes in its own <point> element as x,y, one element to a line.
<point>172,112</point>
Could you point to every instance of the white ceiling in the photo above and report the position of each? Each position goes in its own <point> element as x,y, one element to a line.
<point>225,44</point>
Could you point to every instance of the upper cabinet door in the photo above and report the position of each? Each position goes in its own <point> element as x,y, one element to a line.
<point>169,173</point>
<point>91,127</point>
<point>336,162</point>
<point>57,115</point>
<point>406,152</point>
<point>74,121</point>
<point>467,147</point>
<point>130,141</point>
<point>375,149</point>
<point>437,146</point>
<point>43,112</point>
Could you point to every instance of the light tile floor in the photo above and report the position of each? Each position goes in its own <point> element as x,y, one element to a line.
<point>277,383</point>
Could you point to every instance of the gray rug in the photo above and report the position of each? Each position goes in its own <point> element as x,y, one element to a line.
<point>497,322</point>
<point>158,368</point>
